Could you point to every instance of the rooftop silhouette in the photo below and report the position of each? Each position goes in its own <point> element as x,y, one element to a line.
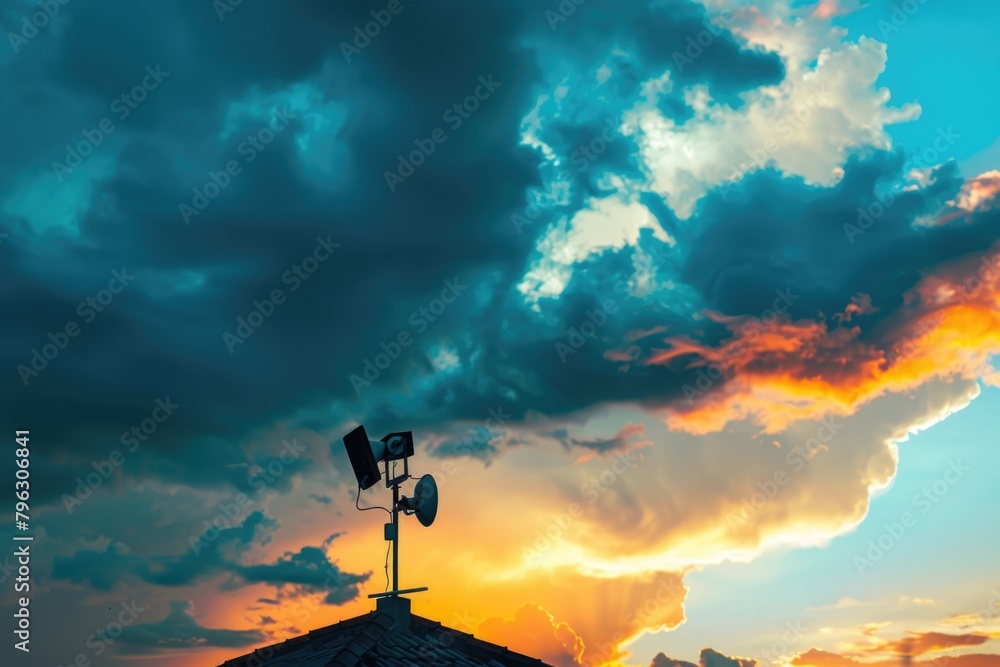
<point>390,636</point>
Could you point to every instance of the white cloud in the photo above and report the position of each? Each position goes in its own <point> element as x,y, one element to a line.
<point>805,126</point>
<point>607,224</point>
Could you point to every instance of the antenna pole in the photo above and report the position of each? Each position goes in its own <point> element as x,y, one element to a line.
<point>395,536</point>
<point>393,447</point>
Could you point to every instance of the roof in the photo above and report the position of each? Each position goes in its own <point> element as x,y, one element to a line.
<point>372,641</point>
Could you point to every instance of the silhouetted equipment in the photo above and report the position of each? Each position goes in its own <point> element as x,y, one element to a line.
<point>362,459</point>
<point>365,456</point>
<point>424,502</point>
<point>398,445</point>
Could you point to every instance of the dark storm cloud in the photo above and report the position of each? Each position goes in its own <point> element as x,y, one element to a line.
<point>620,442</point>
<point>660,35</point>
<point>476,442</point>
<point>163,335</point>
<point>773,241</point>
<point>398,251</point>
<point>661,660</point>
<point>105,569</point>
<point>308,570</point>
<point>712,658</point>
<point>708,658</point>
<point>180,630</point>
<point>778,233</point>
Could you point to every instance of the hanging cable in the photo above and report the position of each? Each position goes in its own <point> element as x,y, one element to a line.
<point>357,504</point>
<point>387,566</point>
<point>373,507</point>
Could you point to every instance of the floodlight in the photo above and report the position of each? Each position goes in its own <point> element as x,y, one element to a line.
<point>359,450</point>
<point>398,445</point>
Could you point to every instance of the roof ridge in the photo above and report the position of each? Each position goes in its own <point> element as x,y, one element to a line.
<point>368,640</point>
<point>487,651</point>
<point>279,648</point>
<point>352,653</point>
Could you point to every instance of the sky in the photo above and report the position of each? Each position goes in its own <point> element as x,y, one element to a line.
<point>691,307</point>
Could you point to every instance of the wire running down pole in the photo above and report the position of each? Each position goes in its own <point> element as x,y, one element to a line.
<point>395,539</point>
<point>392,535</point>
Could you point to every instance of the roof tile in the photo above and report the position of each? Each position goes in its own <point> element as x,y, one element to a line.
<point>371,641</point>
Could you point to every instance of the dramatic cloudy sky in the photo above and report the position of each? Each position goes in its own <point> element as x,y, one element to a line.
<point>691,307</point>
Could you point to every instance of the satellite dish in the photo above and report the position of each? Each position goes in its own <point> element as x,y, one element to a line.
<point>424,503</point>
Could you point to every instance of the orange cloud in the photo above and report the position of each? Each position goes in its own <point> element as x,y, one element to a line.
<point>978,193</point>
<point>860,304</point>
<point>815,657</point>
<point>969,660</point>
<point>638,334</point>
<point>819,658</point>
<point>827,9</point>
<point>781,371</point>
<point>533,631</point>
<point>918,643</point>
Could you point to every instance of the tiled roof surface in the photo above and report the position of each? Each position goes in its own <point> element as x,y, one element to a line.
<point>368,641</point>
